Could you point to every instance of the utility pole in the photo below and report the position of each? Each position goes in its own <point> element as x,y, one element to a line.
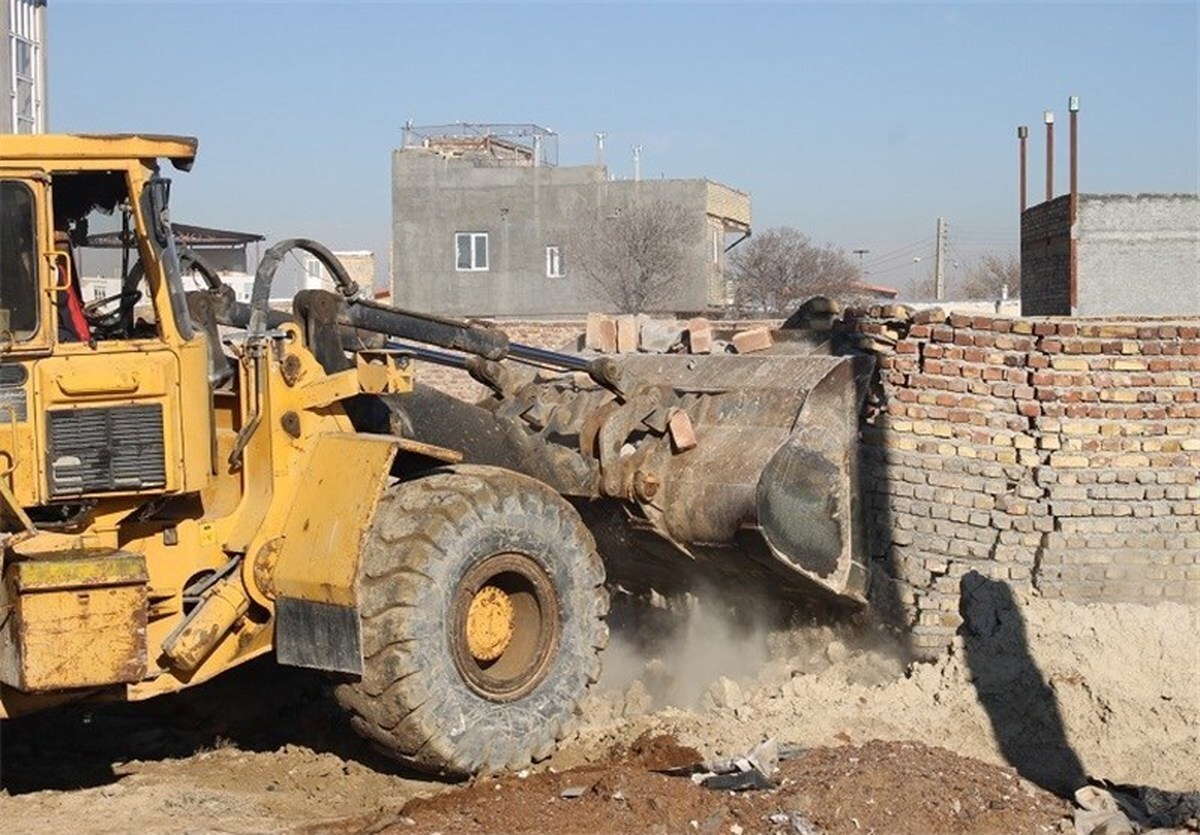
<point>939,261</point>
<point>860,253</point>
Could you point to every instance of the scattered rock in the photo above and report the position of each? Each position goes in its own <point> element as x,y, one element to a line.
<point>723,694</point>
<point>836,652</point>
<point>638,701</point>
<point>657,336</point>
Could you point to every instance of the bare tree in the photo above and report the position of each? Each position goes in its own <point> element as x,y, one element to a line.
<point>988,278</point>
<point>636,255</point>
<point>776,270</point>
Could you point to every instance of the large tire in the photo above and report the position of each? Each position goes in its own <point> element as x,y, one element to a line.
<point>437,549</point>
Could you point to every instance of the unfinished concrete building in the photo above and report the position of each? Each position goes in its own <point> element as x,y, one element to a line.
<point>482,216</point>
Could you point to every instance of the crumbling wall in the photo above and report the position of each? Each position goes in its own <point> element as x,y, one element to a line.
<point>1055,454</point>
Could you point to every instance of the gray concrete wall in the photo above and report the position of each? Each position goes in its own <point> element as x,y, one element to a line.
<point>1138,254</point>
<point>523,210</point>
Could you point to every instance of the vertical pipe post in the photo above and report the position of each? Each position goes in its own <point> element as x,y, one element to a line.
<point>1049,118</point>
<point>1073,106</point>
<point>1023,137</point>
<point>1073,268</point>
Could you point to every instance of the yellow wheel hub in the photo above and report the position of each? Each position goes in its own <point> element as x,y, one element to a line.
<point>489,624</point>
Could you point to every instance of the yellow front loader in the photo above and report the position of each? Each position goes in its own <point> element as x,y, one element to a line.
<point>189,481</point>
<point>171,510</point>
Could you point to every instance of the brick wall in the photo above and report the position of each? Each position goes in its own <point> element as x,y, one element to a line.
<point>1058,455</point>
<point>1046,258</point>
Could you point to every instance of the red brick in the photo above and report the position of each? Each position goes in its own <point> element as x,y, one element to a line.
<point>920,332</point>
<point>700,340</point>
<point>627,333</point>
<point>683,435</point>
<point>1044,328</point>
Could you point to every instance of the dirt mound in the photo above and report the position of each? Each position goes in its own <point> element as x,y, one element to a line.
<point>1060,691</point>
<point>883,787</point>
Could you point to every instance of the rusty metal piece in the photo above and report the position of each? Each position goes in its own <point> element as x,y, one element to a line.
<point>289,369</point>
<point>290,422</point>
<point>264,566</point>
<point>645,485</point>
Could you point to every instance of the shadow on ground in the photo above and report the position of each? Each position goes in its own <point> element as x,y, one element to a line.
<point>1022,707</point>
<point>260,706</point>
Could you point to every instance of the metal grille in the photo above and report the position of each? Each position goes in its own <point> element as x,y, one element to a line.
<point>106,450</point>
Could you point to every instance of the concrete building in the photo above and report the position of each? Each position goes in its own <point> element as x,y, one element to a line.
<point>359,264</point>
<point>23,66</point>
<point>1125,254</point>
<point>482,216</point>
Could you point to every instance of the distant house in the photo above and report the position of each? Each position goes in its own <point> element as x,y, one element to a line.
<point>1111,254</point>
<point>226,251</point>
<point>481,215</point>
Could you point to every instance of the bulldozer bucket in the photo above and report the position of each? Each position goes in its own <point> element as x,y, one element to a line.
<point>776,453</point>
<point>773,467</point>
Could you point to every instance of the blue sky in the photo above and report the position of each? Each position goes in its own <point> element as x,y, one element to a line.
<point>858,123</point>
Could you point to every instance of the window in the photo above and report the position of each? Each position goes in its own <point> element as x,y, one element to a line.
<point>554,262</point>
<point>18,261</point>
<point>472,249</point>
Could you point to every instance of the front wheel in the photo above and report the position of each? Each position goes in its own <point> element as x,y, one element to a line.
<point>482,602</point>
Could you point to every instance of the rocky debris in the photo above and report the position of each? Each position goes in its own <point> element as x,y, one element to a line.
<point>659,336</point>
<point>752,340</point>
<point>626,334</point>
<point>722,694</point>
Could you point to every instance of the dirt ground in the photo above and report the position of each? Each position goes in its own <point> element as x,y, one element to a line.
<point>1036,696</point>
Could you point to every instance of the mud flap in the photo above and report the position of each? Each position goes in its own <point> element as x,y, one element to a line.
<point>320,636</point>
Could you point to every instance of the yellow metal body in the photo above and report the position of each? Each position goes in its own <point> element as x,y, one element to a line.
<point>95,607</point>
<point>489,623</point>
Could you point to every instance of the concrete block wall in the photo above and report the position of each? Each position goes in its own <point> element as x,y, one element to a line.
<point>1059,455</point>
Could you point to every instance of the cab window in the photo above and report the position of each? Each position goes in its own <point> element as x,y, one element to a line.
<point>18,261</point>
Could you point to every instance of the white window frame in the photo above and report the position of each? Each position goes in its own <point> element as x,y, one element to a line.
<point>476,264</point>
<point>25,28</point>
<point>554,261</point>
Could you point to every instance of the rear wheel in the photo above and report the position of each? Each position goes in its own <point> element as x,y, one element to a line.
<point>483,607</point>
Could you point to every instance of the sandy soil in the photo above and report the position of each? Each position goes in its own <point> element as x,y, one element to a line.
<point>1035,696</point>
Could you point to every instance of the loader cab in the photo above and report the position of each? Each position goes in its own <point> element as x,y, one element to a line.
<point>103,382</point>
